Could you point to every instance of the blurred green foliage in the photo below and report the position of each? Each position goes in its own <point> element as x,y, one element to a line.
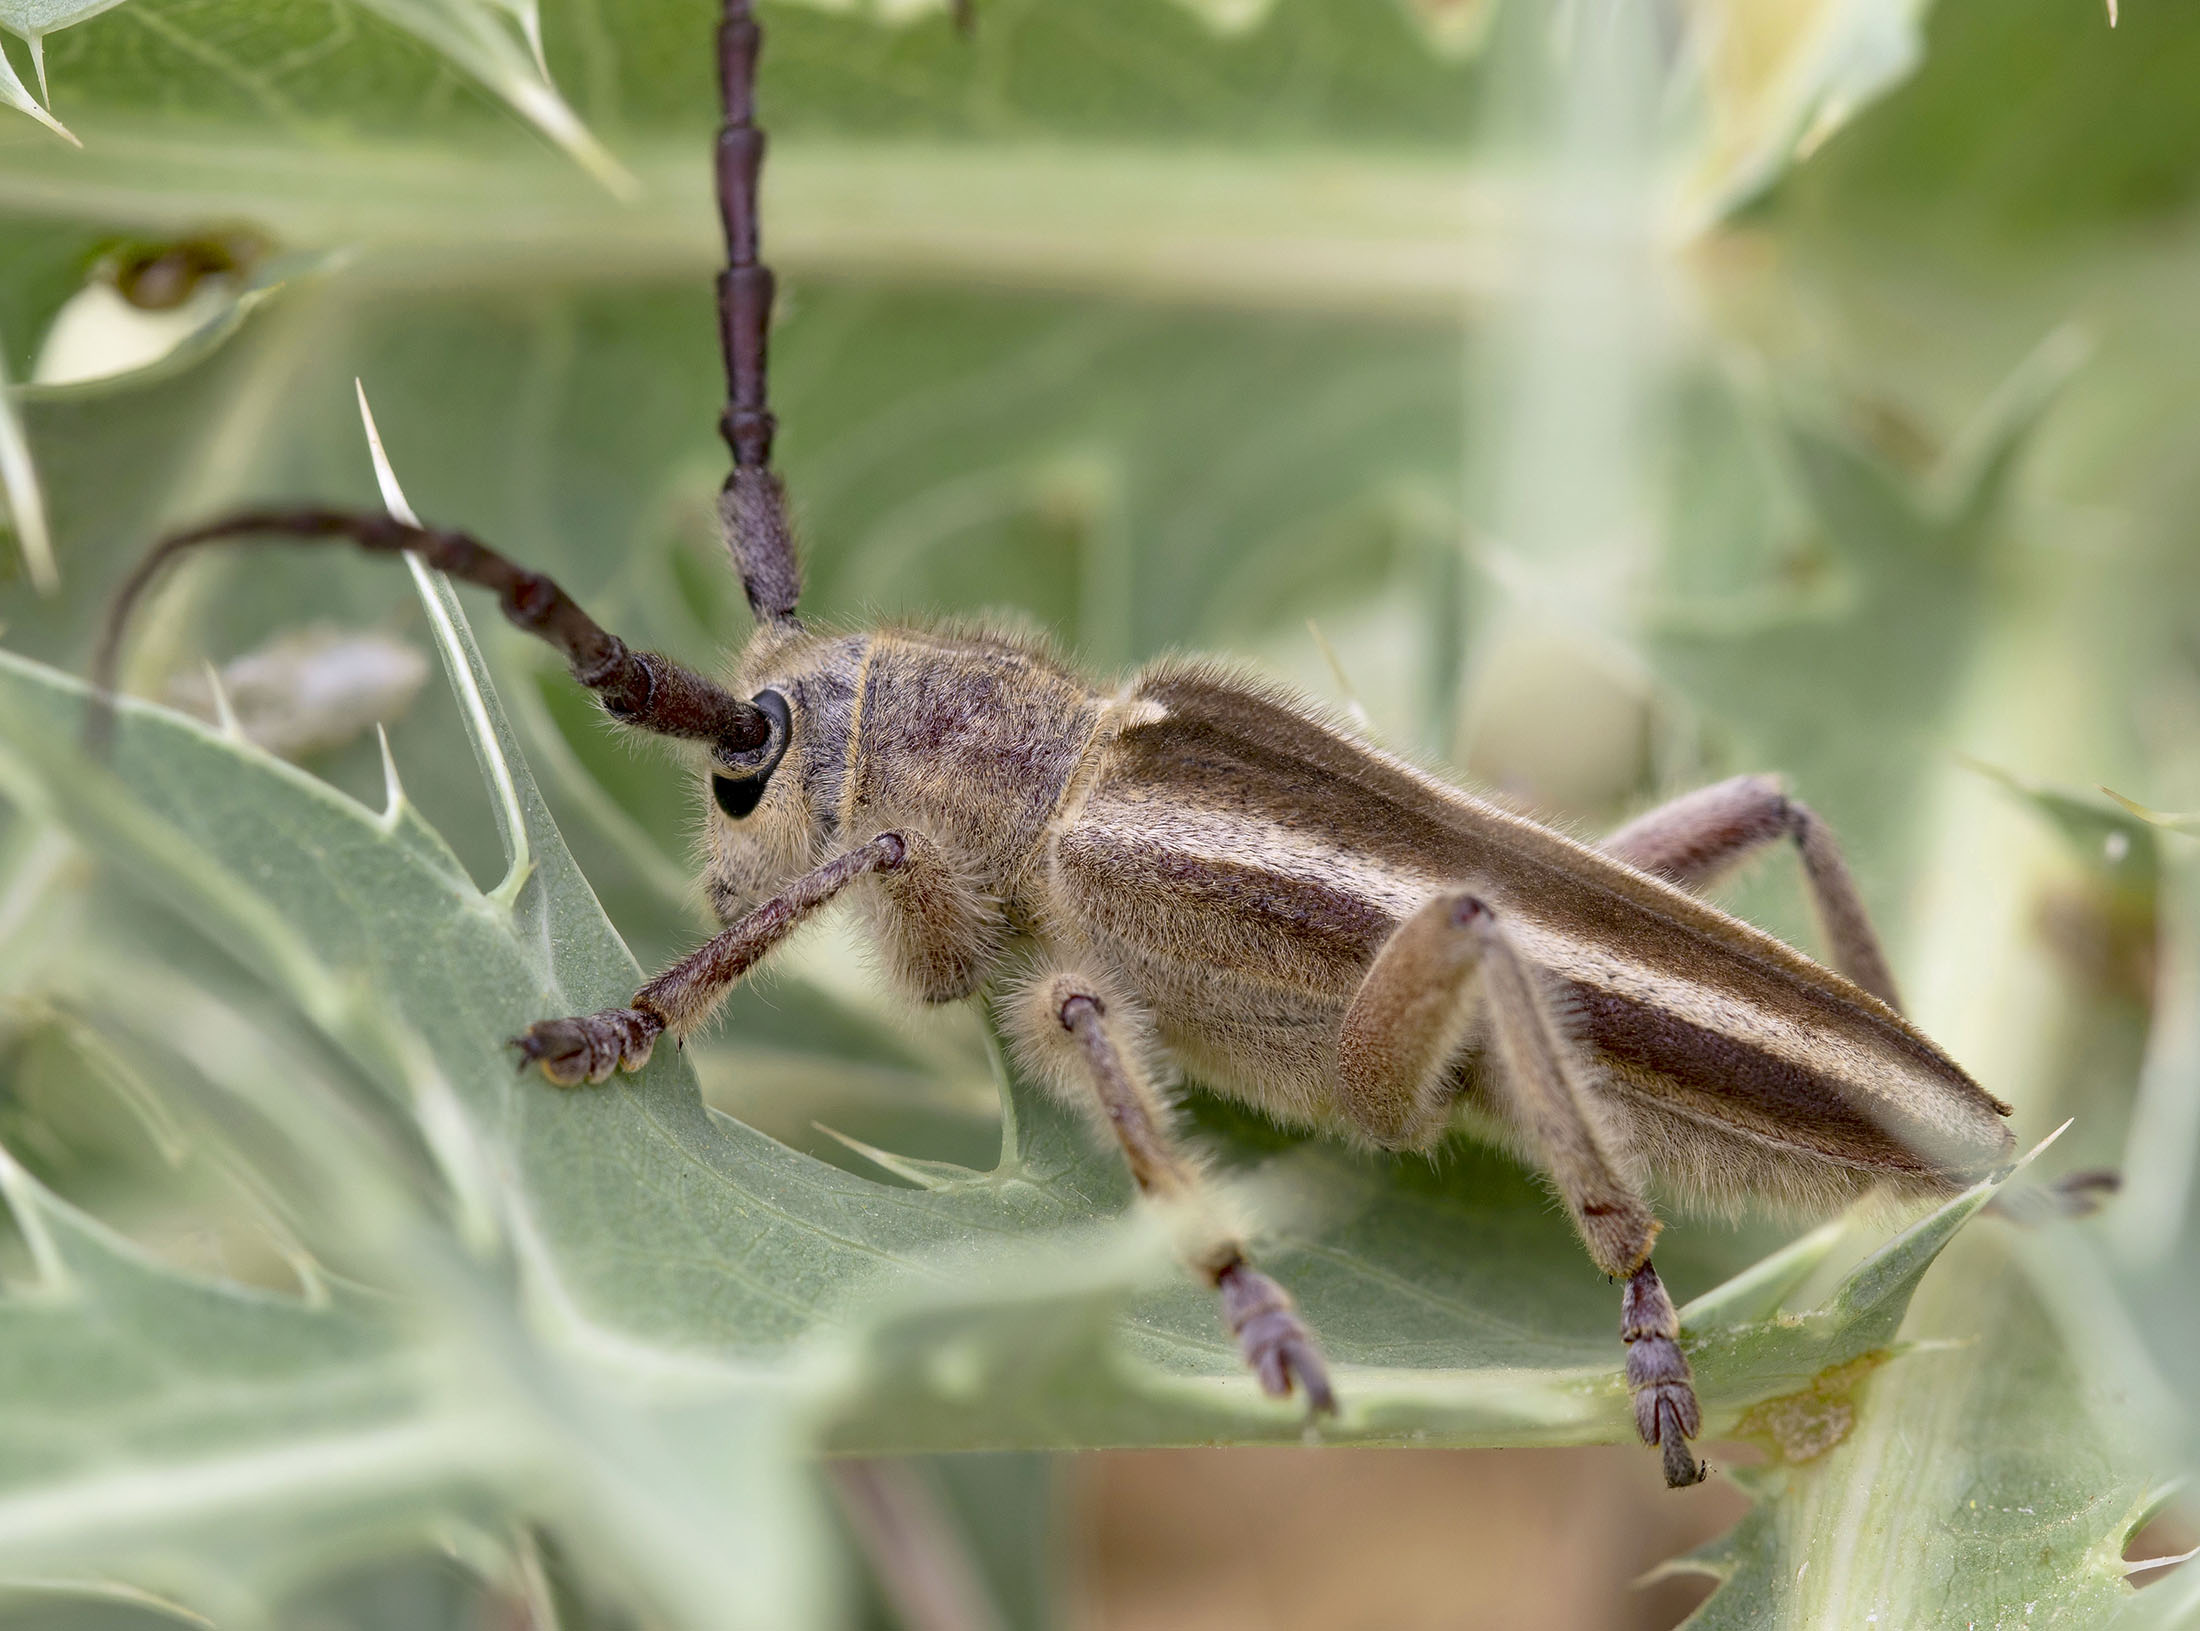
<point>1608,451</point>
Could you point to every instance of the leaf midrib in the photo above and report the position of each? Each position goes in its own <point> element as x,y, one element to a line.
<point>1382,233</point>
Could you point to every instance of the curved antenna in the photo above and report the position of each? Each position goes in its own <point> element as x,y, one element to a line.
<point>752,506</point>
<point>637,688</point>
<point>642,689</point>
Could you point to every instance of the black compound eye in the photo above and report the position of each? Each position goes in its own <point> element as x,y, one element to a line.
<point>738,795</point>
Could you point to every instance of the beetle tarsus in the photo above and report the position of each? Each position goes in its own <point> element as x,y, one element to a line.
<point>591,1047</point>
<point>1666,1412</point>
<point>1278,1347</point>
<point>2073,1196</point>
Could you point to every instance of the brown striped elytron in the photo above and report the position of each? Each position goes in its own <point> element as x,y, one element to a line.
<point>1189,872</point>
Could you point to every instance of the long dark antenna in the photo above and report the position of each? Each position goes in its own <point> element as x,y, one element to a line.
<point>752,507</point>
<point>638,688</point>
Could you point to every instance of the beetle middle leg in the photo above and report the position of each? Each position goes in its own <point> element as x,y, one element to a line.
<point>1699,835</point>
<point>1453,963</point>
<point>1069,1030</point>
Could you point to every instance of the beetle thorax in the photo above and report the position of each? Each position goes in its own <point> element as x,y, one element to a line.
<point>968,737</point>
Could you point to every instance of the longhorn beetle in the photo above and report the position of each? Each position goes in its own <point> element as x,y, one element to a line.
<point>1190,870</point>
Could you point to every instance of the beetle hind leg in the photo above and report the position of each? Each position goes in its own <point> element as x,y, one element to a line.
<point>1450,966</point>
<point>1692,839</point>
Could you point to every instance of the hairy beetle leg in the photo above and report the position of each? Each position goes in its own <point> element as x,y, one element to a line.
<point>1700,835</point>
<point>1277,1346</point>
<point>589,1049</point>
<point>1091,1044</point>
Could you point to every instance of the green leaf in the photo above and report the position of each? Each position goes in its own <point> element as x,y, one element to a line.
<point>653,1225</point>
<point>1154,332</point>
<point>236,1423</point>
<point>1999,1495</point>
<point>655,1240</point>
<point>17,95</point>
<point>475,35</point>
<point>268,1438</point>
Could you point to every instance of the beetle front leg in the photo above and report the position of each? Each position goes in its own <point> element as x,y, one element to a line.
<point>1069,1031</point>
<point>938,934</point>
<point>591,1047</point>
<point>1694,838</point>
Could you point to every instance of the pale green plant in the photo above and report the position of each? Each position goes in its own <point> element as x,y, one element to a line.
<point>1090,318</point>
